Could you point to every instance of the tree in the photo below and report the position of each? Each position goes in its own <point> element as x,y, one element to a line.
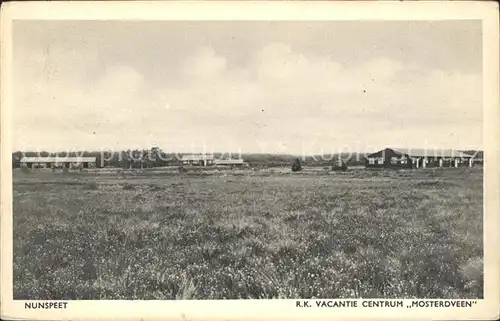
<point>126,159</point>
<point>339,165</point>
<point>137,158</point>
<point>16,159</point>
<point>296,166</point>
<point>156,157</point>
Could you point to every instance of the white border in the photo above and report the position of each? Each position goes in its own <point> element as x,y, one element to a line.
<point>232,11</point>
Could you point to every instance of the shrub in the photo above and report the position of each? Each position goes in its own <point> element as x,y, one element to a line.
<point>339,165</point>
<point>296,166</point>
<point>92,186</point>
<point>128,187</point>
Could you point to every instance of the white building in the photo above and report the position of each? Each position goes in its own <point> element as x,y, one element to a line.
<point>229,162</point>
<point>418,158</point>
<point>58,162</point>
<point>198,159</point>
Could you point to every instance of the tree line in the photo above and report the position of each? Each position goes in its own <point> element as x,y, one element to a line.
<point>156,157</point>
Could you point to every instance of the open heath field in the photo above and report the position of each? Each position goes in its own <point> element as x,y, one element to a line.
<point>249,234</point>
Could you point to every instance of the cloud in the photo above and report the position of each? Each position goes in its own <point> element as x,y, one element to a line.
<point>285,83</point>
<point>280,97</point>
<point>204,64</point>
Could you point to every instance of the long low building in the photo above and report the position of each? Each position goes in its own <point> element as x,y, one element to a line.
<point>229,162</point>
<point>198,159</point>
<point>209,160</point>
<point>58,162</point>
<point>418,158</point>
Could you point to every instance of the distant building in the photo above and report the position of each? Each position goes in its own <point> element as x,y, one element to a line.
<point>58,162</point>
<point>230,162</point>
<point>478,157</point>
<point>197,159</point>
<point>418,158</point>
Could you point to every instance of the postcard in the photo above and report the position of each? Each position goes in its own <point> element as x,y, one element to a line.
<point>219,160</point>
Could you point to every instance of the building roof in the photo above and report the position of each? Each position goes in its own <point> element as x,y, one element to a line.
<point>58,159</point>
<point>197,157</point>
<point>478,154</point>
<point>228,161</point>
<point>418,152</point>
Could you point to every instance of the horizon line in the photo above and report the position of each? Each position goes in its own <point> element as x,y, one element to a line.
<point>232,152</point>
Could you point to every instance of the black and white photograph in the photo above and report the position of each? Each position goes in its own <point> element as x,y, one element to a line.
<point>233,159</point>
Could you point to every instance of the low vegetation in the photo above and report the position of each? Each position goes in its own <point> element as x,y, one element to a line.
<point>296,166</point>
<point>248,234</point>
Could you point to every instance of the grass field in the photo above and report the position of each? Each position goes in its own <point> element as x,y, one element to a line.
<point>377,234</point>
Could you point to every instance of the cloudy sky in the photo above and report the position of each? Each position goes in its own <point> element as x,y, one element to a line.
<point>287,87</point>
